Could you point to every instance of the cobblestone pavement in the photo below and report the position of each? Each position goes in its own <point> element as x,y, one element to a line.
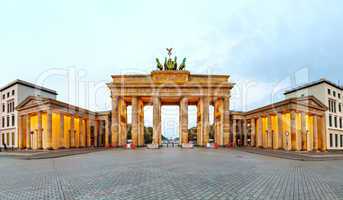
<point>169,174</point>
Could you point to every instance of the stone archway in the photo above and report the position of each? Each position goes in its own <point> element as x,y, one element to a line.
<point>175,87</point>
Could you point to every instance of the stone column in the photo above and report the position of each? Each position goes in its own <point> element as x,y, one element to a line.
<point>269,131</point>
<point>39,131</point>
<point>49,130</point>
<point>76,132</point>
<point>96,133</point>
<point>302,132</point>
<point>253,132</point>
<point>20,132</point>
<point>122,122</point>
<point>89,123</point>
<point>280,131</point>
<point>107,134</point>
<point>183,123</point>
<point>245,132</point>
<point>309,141</point>
<point>226,122</point>
<point>234,132</point>
<point>61,138</point>
<point>294,131</point>
<point>259,132</point>
<point>134,121</point>
<point>219,121</point>
<point>114,123</point>
<point>28,132</point>
<point>204,120</point>
<point>156,120</point>
<point>140,122</point>
<point>72,132</point>
<point>82,132</point>
<point>199,124</point>
<point>323,132</point>
<point>315,133</point>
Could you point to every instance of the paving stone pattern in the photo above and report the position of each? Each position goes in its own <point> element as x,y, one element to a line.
<point>169,174</point>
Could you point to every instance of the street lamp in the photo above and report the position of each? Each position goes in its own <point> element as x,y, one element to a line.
<point>287,134</point>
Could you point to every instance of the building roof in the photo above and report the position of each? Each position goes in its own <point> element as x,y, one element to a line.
<point>308,102</point>
<point>38,101</point>
<point>314,83</point>
<point>27,84</point>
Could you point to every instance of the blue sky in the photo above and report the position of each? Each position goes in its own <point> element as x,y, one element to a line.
<point>265,46</point>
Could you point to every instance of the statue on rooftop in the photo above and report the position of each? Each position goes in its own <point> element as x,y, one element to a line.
<point>169,63</point>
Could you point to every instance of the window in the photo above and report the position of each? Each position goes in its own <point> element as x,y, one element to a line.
<point>8,94</point>
<point>3,122</point>
<point>330,120</point>
<point>329,91</point>
<point>335,120</point>
<point>331,142</point>
<point>334,106</point>
<point>3,96</point>
<point>13,120</point>
<point>13,139</point>
<point>339,95</point>
<point>334,93</point>
<point>336,140</point>
<point>3,107</point>
<point>8,121</point>
<point>13,92</point>
<point>340,122</point>
<point>10,107</point>
<point>341,136</point>
<point>340,107</point>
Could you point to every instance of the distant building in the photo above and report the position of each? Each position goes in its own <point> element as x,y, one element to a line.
<point>329,94</point>
<point>12,95</point>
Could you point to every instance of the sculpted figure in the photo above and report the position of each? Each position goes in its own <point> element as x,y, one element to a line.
<point>159,65</point>
<point>183,64</point>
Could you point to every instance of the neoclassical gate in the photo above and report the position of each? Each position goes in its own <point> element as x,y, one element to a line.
<point>170,87</point>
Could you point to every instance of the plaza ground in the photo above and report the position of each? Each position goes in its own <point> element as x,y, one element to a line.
<point>170,173</point>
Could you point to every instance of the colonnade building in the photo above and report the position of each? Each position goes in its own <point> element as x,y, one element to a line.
<point>11,95</point>
<point>292,124</point>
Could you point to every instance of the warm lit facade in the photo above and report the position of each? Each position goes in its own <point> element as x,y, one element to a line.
<point>45,123</point>
<point>330,94</point>
<point>294,124</point>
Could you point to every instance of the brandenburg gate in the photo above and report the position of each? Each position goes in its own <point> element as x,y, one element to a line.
<point>170,85</point>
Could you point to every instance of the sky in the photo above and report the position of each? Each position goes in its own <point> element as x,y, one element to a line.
<point>266,46</point>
